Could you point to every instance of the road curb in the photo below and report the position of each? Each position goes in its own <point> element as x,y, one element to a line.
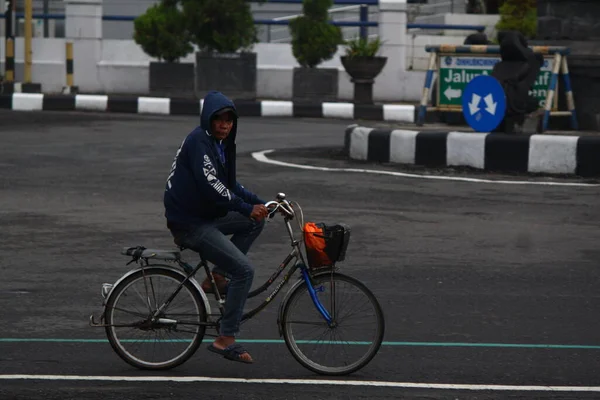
<point>174,106</point>
<point>494,152</point>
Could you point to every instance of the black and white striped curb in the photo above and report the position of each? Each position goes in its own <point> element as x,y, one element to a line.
<point>172,106</point>
<point>548,154</point>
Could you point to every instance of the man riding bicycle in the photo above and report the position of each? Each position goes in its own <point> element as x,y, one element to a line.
<point>204,203</point>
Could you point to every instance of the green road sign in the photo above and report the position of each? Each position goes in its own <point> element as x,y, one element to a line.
<point>456,71</point>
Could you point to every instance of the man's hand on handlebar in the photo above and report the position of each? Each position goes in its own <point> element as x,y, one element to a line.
<point>259,212</point>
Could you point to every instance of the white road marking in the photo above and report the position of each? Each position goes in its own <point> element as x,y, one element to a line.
<point>261,157</point>
<point>322,382</point>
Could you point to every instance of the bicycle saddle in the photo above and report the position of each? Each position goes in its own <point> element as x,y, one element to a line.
<point>142,252</point>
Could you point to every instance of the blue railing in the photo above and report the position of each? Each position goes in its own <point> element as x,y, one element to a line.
<point>350,2</point>
<point>337,23</point>
<point>478,28</point>
<point>344,2</point>
<point>363,23</point>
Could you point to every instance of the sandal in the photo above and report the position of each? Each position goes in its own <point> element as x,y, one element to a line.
<point>232,352</point>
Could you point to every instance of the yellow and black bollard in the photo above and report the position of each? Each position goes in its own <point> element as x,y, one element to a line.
<point>9,75</point>
<point>70,88</point>
<point>69,64</point>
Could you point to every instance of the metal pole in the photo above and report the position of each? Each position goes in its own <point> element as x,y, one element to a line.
<point>8,19</point>
<point>364,17</point>
<point>9,41</point>
<point>28,34</point>
<point>46,12</point>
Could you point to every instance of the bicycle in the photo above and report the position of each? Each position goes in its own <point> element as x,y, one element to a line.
<point>155,317</point>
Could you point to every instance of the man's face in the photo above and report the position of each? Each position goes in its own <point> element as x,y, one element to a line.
<point>221,125</point>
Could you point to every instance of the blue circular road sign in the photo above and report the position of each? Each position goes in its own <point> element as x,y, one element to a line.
<point>484,103</point>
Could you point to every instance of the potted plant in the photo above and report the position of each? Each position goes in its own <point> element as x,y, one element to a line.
<point>314,40</point>
<point>363,65</point>
<point>225,33</point>
<point>162,35</point>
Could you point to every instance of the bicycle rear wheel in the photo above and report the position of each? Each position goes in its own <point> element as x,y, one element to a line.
<point>355,335</point>
<point>162,343</point>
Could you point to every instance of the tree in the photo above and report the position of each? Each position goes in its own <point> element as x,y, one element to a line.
<point>222,26</point>
<point>314,39</point>
<point>161,33</point>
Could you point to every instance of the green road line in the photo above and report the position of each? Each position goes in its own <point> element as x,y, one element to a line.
<point>279,341</point>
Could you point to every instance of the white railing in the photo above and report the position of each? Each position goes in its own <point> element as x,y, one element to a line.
<point>281,33</point>
<point>450,6</point>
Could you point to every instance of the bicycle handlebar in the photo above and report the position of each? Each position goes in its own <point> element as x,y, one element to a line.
<point>282,203</point>
<point>289,209</point>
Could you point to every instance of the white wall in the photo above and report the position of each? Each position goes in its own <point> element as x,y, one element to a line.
<point>120,66</point>
<point>123,68</point>
<point>489,21</point>
<point>416,57</point>
<point>48,61</point>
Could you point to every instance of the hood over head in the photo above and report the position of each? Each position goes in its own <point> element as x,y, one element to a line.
<point>214,104</point>
<point>513,46</point>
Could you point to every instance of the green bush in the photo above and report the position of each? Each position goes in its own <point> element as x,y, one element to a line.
<point>314,39</point>
<point>161,32</point>
<point>518,15</point>
<point>222,26</point>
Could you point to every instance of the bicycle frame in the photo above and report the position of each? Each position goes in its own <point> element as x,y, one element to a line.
<point>299,263</point>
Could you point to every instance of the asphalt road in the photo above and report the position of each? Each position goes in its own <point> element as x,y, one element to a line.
<point>488,287</point>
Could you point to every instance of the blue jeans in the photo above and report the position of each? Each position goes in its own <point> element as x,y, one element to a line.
<point>229,257</point>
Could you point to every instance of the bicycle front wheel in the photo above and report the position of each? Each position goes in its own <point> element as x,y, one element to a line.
<point>353,338</point>
<point>155,343</point>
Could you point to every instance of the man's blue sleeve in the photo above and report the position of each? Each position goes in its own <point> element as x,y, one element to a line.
<point>247,195</point>
<point>210,185</point>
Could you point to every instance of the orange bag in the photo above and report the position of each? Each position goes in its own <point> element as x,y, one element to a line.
<point>314,242</point>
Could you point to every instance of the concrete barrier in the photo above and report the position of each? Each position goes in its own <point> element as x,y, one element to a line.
<point>175,106</point>
<point>493,152</point>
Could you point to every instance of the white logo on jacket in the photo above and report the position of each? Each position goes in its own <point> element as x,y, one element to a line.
<point>211,176</point>
<point>174,165</point>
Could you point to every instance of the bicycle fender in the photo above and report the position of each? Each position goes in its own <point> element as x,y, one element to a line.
<point>170,268</point>
<point>289,294</point>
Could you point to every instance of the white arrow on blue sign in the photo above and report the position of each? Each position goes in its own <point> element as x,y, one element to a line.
<point>484,103</point>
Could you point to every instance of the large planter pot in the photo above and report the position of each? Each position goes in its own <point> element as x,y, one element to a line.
<point>315,84</point>
<point>172,79</point>
<point>234,74</point>
<point>363,71</point>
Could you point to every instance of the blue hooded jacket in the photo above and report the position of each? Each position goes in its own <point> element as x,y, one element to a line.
<point>200,186</point>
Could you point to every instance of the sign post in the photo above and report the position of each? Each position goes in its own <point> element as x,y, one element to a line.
<point>456,66</point>
<point>484,103</point>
